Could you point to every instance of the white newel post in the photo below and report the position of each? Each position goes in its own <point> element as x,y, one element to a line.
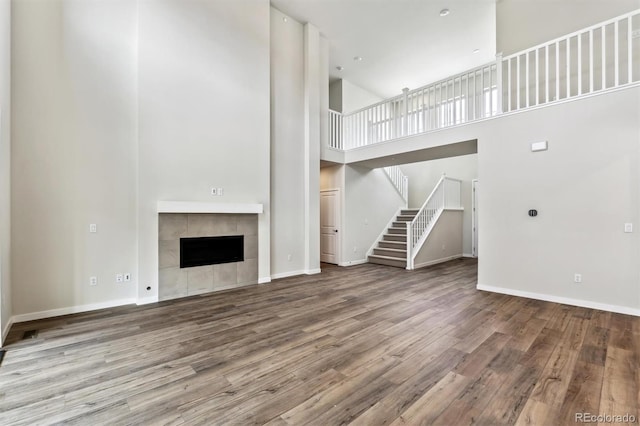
<point>409,263</point>
<point>405,108</point>
<point>499,93</point>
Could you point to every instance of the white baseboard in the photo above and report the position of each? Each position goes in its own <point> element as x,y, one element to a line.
<point>5,331</point>
<point>71,310</point>
<point>435,262</point>
<point>468,255</point>
<point>264,280</point>
<point>146,300</point>
<point>312,271</point>
<point>353,262</point>
<point>563,300</point>
<point>287,274</point>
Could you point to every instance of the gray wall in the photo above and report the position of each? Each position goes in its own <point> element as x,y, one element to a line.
<point>5,167</point>
<point>424,176</point>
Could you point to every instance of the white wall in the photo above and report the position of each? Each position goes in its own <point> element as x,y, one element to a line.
<point>287,149</point>
<point>73,153</point>
<point>524,24</point>
<point>5,167</point>
<point>204,113</point>
<point>355,97</point>
<point>585,187</point>
<point>370,202</point>
<point>424,176</point>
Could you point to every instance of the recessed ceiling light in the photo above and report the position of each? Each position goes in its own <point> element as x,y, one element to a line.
<point>285,19</point>
<point>445,12</point>
<point>339,68</point>
<point>476,50</point>
<point>357,58</point>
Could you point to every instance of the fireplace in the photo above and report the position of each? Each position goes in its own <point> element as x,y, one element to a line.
<point>200,251</point>
<point>205,252</point>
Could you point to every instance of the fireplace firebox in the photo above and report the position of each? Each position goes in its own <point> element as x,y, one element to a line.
<point>202,251</point>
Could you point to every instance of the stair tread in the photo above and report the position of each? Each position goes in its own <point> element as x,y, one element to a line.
<point>379,256</point>
<point>390,249</point>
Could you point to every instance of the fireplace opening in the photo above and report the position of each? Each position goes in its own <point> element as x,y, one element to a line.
<point>202,251</point>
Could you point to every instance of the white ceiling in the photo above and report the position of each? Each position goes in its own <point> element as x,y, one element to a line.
<point>403,43</point>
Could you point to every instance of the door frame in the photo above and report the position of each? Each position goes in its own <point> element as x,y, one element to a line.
<point>474,218</point>
<point>338,223</point>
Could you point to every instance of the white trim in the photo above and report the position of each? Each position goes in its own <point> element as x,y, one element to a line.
<point>312,271</point>
<point>434,262</point>
<point>146,300</point>
<point>287,274</point>
<point>71,310</point>
<point>5,332</point>
<point>468,255</point>
<point>353,262</point>
<point>200,207</point>
<point>563,300</point>
<point>264,280</point>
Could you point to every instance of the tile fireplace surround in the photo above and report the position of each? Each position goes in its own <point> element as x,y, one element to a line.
<point>175,282</point>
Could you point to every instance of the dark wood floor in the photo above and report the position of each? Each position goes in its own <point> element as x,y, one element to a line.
<point>365,345</point>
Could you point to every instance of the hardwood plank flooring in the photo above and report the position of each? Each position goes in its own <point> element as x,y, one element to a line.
<point>364,345</point>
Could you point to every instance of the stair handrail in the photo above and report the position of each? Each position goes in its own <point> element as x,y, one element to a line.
<point>419,228</point>
<point>400,181</point>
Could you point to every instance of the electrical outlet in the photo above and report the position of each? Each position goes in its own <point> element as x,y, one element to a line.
<point>214,191</point>
<point>93,280</point>
<point>289,257</point>
<point>119,278</point>
<point>127,277</point>
<point>355,249</point>
<point>577,278</point>
<point>628,227</point>
<point>93,228</point>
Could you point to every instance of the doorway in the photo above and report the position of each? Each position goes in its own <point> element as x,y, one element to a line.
<point>330,226</point>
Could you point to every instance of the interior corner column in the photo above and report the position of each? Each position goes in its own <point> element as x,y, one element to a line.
<point>312,103</point>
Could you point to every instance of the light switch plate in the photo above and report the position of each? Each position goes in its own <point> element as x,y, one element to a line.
<point>628,227</point>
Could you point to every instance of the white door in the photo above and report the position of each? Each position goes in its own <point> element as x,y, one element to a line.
<point>474,217</point>
<point>329,225</point>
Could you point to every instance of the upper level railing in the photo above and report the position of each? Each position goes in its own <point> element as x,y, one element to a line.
<point>598,58</point>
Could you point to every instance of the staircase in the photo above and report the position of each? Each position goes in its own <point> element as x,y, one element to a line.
<point>392,249</point>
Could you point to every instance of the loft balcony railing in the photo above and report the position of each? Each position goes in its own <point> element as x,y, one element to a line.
<point>599,58</point>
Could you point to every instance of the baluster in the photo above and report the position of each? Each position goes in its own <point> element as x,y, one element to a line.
<point>591,61</point>
<point>616,55</point>
<point>518,82</point>
<point>603,35</point>
<point>579,64</point>
<point>526,73</point>
<point>568,43</point>
<point>557,97</point>
<point>546,73</point>
<point>499,92</point>
<point>629,50</point>
<point>537,76</point>
<point>509,83</point>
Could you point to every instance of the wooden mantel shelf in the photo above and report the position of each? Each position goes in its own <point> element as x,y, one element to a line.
<point>202,207</point>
